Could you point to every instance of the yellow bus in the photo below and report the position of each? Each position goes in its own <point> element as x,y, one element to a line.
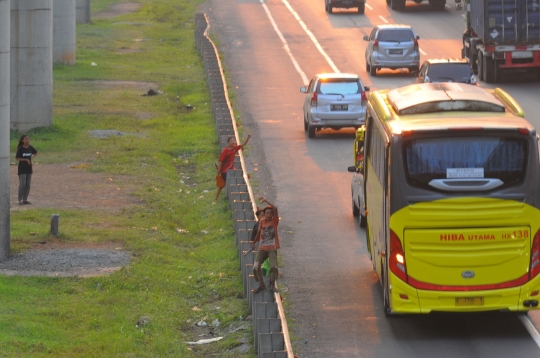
<point>452,199</point>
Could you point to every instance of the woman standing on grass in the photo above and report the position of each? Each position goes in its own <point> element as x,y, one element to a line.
<point>25,153</point>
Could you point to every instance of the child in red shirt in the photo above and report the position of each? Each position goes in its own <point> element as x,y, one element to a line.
<point>226,159</point>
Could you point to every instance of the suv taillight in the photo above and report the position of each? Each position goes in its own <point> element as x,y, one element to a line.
<point>416,48</point>
<point>397,257</point>
<point>535,256</point>
<point>364,96</point>
<point>376,45</point>
<point>314,99</point>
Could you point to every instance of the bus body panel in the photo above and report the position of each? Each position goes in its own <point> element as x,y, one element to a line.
<point>443,238</point>
<point>424,301</point>
<point>374,223</point>
<point>493,261</point>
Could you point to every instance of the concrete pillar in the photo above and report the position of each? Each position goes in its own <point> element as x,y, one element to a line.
<point>4,130</point>
<point>31,64</point>
<point>64,32</point>
<point>83,11</point>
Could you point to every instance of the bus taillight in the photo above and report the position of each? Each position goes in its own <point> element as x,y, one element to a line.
<point>397,257</point>
<point>535,256</point>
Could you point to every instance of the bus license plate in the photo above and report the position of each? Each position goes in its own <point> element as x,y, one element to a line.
<point>469,301</point>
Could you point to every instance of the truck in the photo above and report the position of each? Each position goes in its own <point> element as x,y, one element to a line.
<point>501,36</point>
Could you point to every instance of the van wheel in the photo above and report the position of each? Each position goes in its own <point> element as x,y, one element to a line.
<point>437,4</point>
<point>311,131</point>
<point>397,4</point>
<point>368,67</point>
<point>361,8</point>
<point>355,209</point>
<point>305,124</point>
<point>363,221</point>
<point>330,9</point>
<point>372,70</point>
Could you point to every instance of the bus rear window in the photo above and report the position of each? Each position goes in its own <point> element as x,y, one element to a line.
<point>466,157</point>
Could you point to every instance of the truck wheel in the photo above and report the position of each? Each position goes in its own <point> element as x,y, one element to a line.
<point>330,9</point>
<point>473,60</point>
<point>311,131</point>
<point>490,70</point>
<point>397,4</point>
<point>361,8</point>
<point>480,65</point>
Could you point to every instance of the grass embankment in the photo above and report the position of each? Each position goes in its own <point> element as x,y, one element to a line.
<point>170,159</point>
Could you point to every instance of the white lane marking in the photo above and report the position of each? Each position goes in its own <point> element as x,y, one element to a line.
<point>369,7</point>
<point>422,52</point>
<point>285,45</point>
<point>310,34</point>
<point>530,327</point>
<point>383,19</point>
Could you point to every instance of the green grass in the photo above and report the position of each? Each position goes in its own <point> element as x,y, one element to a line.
<point>170,272</point>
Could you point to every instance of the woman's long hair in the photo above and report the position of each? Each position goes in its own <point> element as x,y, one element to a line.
<point>21,140</point>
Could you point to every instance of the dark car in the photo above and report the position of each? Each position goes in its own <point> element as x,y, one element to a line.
<point>329,5</point>
<point>446,70</point>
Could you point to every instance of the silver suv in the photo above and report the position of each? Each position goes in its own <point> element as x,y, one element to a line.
<point>392,46</point>
<point>334,100</point>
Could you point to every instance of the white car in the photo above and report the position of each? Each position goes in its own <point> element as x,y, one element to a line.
<point>334,100</point>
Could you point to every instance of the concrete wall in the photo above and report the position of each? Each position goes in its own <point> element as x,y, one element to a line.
<point>31,64</point>
<point>4,130</point>
<point>64,32</point>
<point>83,11</point>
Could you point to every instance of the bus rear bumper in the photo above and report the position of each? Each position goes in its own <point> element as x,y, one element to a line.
<point>407,299</point>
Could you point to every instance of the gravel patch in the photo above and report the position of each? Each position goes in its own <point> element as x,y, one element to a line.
<point>106,133</point>
<point>65,262</point>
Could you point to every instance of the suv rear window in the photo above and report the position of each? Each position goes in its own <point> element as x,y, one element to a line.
<point>397,35</point>
<point>450,71</point>
<point>340,87</point>
<point>491,157</point>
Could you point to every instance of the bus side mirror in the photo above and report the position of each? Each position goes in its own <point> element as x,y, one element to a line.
<point>360,135</point>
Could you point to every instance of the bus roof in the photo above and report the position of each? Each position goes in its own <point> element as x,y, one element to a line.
<point>437,106</point>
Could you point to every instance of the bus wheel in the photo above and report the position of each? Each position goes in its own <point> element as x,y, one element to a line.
<point>387,309</point>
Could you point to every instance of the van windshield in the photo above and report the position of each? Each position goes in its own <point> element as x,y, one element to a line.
<point>340,87</point>
<point>465,157</point>
<point>397,35</point>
